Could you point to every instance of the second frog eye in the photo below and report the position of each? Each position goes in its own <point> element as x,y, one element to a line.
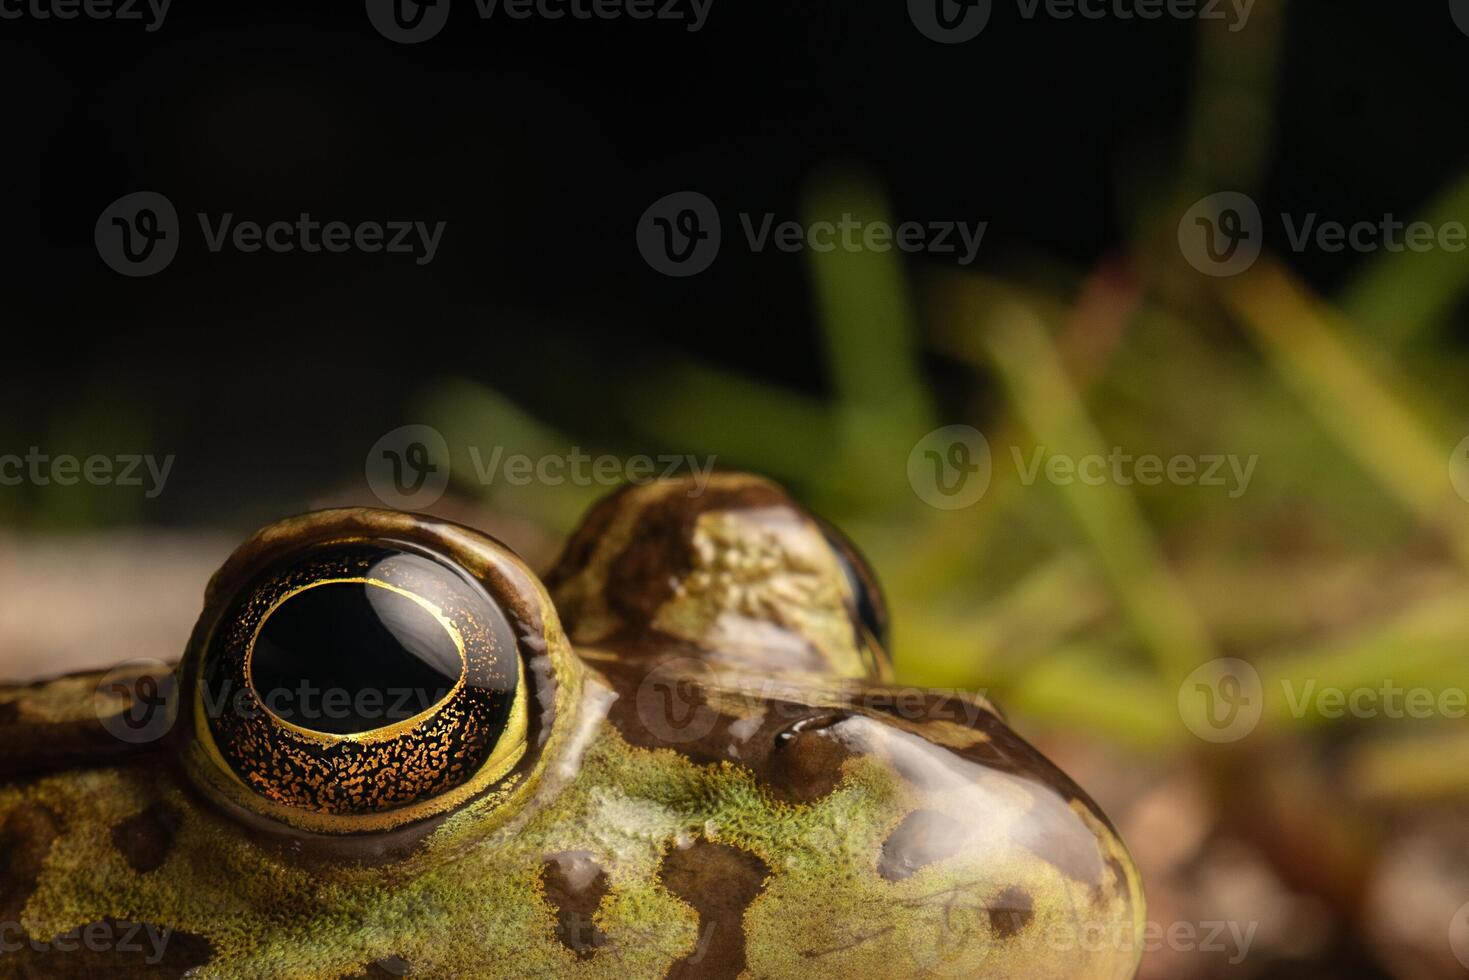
<point>357,679</point>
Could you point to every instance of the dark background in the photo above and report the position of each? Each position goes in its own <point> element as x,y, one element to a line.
<point>540,143</point>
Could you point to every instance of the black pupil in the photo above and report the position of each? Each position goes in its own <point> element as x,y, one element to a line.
<point>348,657</point>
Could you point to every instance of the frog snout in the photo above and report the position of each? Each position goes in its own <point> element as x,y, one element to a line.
<point>991,859</point>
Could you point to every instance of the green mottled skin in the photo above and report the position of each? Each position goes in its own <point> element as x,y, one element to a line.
<point>735,851</point>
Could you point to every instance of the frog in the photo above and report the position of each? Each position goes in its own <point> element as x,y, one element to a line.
<point>679,753</point>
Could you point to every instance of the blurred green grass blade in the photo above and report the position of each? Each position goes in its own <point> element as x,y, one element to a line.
<point>1400,296</point>
<point>477,419</point>
<point>1421,646</point>
<point>867,322</point>
<point>1234,98</point>
<point>747,424</point>
<point>1155,602</point>
<point>1310,348</point>
<point>1418,768</point>
<point>1105,305</point>
<point>948,642</point>
<point>1085,689</point>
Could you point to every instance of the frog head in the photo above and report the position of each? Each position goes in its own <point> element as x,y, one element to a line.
<point>390,748</point>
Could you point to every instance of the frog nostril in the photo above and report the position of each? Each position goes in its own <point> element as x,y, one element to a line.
<point>806,764</point>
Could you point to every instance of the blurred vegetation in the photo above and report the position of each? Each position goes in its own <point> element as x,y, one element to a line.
<point>1082,608</point>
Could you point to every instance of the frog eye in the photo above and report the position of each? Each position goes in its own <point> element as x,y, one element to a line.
<point>865,598</point>
<point>352,673</point>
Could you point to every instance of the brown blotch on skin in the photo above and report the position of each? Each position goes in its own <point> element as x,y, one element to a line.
<point>34,748</point>
<point>922,838</point>
<point>720,882</point>
<point>574,885</point>
<point>26,836</point>
<point>1011,912</point>
<point>108,948</point>
<point>145,838</point>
